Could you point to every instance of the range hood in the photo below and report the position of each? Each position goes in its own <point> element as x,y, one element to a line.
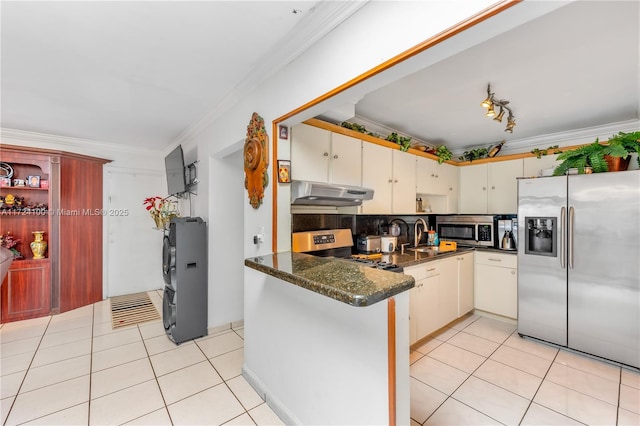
<point>328,194</point>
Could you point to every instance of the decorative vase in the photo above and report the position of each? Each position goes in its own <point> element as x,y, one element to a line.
<point>38,245</point>
<point>157,218</point>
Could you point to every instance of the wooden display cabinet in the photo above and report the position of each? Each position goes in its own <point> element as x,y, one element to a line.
<point>70,275</point>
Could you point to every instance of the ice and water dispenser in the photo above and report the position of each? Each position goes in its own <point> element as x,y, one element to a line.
<point>541,236</point>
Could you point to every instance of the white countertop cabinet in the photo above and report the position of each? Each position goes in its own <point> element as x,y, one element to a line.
<point>466,268</point>
<point>496,283</point>
<point>443,293</point>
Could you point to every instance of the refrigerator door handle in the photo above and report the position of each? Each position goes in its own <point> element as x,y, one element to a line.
<point>563,238</point>
<point>571,219</point>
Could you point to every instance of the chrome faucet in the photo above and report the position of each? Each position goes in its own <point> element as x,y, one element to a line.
<point>417,232</point>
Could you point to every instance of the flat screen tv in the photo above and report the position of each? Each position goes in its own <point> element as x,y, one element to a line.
<point>174,165</point>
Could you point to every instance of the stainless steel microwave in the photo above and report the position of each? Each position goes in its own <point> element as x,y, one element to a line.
<point>469,230</point>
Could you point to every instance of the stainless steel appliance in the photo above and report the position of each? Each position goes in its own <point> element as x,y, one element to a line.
<point>328,194</point>
<point>369,244</point>
<point>464,229</point>
<point>507,234</point>
<point>578,268</point>
<point>338,243</point>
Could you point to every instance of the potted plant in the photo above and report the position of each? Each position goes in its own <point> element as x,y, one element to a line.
<point>618,150</point>
<point>593,157</point>
<point>586,159</point>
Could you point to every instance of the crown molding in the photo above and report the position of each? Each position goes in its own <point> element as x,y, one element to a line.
<point>568,138</point>
<point>74,144</point>
<point>320,20</point>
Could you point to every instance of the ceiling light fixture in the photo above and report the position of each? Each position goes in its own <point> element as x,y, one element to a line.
<point>491,103</point>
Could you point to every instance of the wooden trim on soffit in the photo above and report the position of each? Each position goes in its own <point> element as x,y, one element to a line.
<point>419,48</point>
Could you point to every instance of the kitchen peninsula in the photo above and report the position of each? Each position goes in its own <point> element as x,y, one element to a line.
<point>326,340</point>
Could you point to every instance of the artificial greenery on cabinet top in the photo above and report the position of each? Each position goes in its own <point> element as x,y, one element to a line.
<point>593,155</point>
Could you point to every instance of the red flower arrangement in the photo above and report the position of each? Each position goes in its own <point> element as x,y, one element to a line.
<point>161,210</point>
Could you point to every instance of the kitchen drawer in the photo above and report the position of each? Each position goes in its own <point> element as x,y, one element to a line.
<point>424,270</point>
<point>496,259</point>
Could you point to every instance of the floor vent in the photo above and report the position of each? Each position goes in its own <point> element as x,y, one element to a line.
<point>132,309</point>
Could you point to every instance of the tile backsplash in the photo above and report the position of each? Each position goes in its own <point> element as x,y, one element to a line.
<point>359,224</point>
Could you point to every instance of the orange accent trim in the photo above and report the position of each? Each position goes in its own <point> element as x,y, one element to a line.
<point>391,349</point>
<point>419,48</point>
<point>274,186</point>
<point>368,138</point>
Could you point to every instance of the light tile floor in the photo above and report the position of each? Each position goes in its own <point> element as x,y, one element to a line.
<point>74,369</point>
<point>479,371</point>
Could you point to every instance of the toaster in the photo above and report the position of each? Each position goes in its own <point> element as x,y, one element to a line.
<point>368,244</point>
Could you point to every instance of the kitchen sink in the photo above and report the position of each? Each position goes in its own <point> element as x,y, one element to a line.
<point>424,249</point>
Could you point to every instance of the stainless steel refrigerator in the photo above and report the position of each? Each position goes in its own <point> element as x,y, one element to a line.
<point>579,263</point>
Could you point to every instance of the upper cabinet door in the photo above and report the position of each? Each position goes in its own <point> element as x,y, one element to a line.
<point>473,189</point>
<point>310,153</point>
<point>377,174</point>
<point>346,160</point>
<point>503,186</point>
<point>404,183</point>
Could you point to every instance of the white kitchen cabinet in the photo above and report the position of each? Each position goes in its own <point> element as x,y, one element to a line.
<point>473,189</point>
<point>424,300</point>
<point>496,283</point>
<point>345,164</point>
<point>490,188</point>
<point>322,156</point>
<point>433,302</point>
<point>437,185</point>
<point>448,294</point>
<point>391,174</point>
<point>465,283</point>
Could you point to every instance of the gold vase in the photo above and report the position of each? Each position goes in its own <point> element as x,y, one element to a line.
<point>38,245</point>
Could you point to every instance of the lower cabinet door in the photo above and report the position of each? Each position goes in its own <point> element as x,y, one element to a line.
<point>429,312</point>
<point>496,290</point>
<point>26,290</point>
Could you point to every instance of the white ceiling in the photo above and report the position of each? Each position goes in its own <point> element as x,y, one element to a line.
<point>144,73</point>
<point>141,73</point>
<point>574,68</point>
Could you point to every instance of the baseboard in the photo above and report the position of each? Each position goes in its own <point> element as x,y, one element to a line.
<point>495,316</point>
<point>274,403</point>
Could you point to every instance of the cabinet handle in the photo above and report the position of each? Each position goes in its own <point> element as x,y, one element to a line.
<point>513,272</point>
<point>335,156</point>
<point>450,189</point>
<point>390,180</point>
<point>395,181</point>
<point>493,187</point>
<point>484,188</point>
<point>495,260</point>
<point>432,175</point>
<point>436,175</point>
<point>326,154</point>
<point>431,269</point>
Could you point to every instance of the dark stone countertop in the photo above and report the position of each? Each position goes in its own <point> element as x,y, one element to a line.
<point>342,280</point>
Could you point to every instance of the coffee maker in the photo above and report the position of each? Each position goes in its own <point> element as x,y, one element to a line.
<point>507,234</point>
